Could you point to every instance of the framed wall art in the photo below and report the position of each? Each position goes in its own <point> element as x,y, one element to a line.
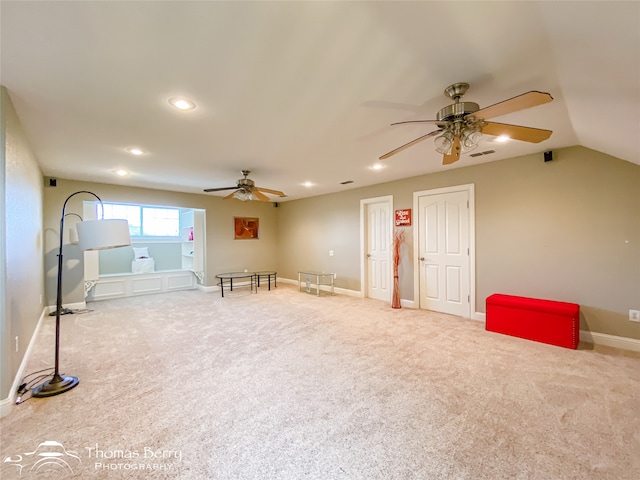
<point>403,218</point>
<point>245,228</point>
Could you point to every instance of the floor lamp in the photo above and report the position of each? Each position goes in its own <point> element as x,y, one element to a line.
<point>92,235</point>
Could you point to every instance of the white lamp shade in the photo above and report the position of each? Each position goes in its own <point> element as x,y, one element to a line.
<point>102,234</point>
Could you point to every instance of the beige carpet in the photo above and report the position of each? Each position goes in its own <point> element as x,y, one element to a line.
<point>285,385</point>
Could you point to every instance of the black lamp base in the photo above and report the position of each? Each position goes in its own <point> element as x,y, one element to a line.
<point>57,385</point>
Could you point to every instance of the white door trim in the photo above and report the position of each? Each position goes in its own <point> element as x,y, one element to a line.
<point>470,188</point>
<point>363,235</point>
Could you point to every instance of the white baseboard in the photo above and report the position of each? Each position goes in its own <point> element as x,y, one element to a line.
<point>342,291</point>
<point>407,303</point>
<point>352,293</point>
<point>7,403</point>
<point>208,288</point>
<point>596,338</point>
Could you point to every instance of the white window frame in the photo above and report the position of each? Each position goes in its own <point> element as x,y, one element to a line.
<point>141,207</point>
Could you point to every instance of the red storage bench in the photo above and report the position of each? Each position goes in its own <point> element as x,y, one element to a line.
<point>546,321</point>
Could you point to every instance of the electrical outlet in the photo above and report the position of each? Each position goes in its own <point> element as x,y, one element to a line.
<point>634,315</point>
<point>17,345</point>
<point>331,253</point>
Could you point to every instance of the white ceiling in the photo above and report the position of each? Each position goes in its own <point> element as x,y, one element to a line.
<point>305,91</point>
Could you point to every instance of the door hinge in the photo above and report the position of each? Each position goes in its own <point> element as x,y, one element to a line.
<point>467,203</point>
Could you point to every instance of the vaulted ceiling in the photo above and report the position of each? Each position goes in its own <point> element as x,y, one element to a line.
<point>306,91</point>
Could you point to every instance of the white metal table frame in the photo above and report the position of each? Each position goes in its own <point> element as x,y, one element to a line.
<point>317,283</point>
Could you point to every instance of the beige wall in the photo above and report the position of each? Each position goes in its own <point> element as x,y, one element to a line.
<point>21,264</point>
<point>223,253</point>
<point>567,230</point>
<point>309,228</point>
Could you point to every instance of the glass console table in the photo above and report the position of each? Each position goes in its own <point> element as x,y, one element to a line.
<point>317,279</point>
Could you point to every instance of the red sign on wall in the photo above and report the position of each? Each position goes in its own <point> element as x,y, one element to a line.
<point>403,218</point>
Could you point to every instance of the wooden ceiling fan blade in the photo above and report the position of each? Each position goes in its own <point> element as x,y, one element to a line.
<point>454,155</point>
<point>219,189</point>
<point>259,195</point>
<point>229,196</point>
<point>517,132</point>
<point>526,100</point>
<point>411,143</point>
<point>418,121</point>
<point>272,192</point>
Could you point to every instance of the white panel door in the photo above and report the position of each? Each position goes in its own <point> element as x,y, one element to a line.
<point>443,252</point>
<point>378,251</point>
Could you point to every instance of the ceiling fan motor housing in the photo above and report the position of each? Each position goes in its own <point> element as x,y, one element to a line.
<point>457,110</point>
<point>245,183</point>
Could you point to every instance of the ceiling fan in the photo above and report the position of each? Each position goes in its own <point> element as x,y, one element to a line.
<point>246,190</point>
<point>461,124</point>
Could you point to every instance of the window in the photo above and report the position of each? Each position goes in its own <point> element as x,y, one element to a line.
<point>145,221</point>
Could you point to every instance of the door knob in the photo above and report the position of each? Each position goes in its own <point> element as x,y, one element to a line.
<point>368,255</point>
<point>422,259</point>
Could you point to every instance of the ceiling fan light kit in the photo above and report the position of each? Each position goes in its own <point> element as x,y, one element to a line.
<point>444,142</point>
<point>243,196</point>
<point>462,124</point>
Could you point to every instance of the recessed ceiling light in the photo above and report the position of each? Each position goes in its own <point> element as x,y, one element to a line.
<point>377,166</point>
<point>135,151</point>
<point>121,173</point>
<point>308,184</point>
<point>502,138</point>
<point>182,103</point>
